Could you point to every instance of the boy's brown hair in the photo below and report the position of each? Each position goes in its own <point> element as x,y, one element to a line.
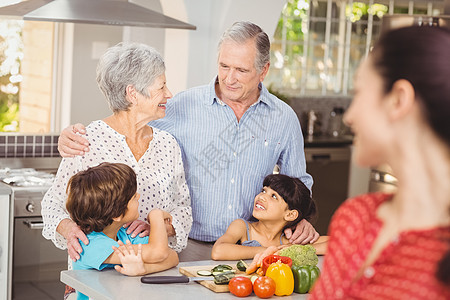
<point>99,194</point>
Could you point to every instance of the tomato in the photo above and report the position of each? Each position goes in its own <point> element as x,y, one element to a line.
<point>240,286</point>
<point>264,287</point>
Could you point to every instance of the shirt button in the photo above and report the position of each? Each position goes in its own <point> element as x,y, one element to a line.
<point>369,272</point>
<point>266,143</point>
<point>235,154</point>
<point>232,180</point>
<point>230,207</point>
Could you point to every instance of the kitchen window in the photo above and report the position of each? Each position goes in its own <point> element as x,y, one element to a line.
<point>26,76</point>
<point>318,44</point>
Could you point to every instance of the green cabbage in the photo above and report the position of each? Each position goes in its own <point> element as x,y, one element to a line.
<point>301,255</point>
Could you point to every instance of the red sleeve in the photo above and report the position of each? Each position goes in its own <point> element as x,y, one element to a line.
<point>350,237</point>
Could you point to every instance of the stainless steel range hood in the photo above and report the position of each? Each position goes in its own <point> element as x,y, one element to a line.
<point>401,20</point>
<point>103,12</point>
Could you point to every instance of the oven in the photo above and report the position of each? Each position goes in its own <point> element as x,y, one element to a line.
<point>36,262</point>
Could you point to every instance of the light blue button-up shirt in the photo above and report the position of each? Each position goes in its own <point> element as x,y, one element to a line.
<point>225,160</point>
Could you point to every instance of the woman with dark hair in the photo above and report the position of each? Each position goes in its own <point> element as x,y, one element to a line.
<point>396,246</point>
<point>283,202</point>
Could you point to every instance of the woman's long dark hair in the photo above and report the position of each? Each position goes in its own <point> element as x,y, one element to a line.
<point>421,55</point>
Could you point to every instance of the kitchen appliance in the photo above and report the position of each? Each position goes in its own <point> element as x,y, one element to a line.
<point>382,180</point>
<point>104,12</point>
<point>330,168</point>
<point>36,262</point>
<point>402,20</point>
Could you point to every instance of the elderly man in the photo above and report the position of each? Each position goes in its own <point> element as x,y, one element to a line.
<point>232,132</point>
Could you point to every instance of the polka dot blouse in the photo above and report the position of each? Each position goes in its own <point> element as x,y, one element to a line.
<point>160,177</point>
<point>405,269</point>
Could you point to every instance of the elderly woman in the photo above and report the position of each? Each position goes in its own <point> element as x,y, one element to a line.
<point>131,76</point>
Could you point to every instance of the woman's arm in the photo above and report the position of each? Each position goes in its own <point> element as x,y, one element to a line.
<point>58,227</point>
<point>180,206</point>
<point>225,248</point>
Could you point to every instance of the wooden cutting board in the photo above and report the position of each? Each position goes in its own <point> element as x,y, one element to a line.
<point>192,272</point>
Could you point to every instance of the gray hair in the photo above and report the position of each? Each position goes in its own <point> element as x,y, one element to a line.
<point>241,32</point>
<point>127,64</point>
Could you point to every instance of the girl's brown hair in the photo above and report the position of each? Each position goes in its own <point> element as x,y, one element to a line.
<point>99,194</point>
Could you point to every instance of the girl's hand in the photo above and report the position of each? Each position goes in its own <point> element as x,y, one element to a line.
<point>132,263</point>
<point>257,260</point>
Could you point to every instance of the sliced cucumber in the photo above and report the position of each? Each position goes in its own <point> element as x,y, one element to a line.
<point>223,272</point>
<point>241,265</point>
<point>221,268</point>
<point>223,278</point>
<point>204,273</point>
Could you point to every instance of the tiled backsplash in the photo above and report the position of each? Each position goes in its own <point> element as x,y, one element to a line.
<point>28,145</point>
<point>321,106</point>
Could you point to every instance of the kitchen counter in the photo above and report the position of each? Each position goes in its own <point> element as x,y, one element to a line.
<point>328,141</point>
<point>109,284</point>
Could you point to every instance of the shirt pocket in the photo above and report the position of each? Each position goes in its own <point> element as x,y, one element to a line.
<point>259,156</point>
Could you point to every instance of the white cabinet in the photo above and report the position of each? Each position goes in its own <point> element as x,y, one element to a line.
<point>5,246</point>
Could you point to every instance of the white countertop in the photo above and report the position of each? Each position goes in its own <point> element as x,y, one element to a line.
<point>109,284</point>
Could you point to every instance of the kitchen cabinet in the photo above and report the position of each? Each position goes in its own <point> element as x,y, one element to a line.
<point>5,242</point>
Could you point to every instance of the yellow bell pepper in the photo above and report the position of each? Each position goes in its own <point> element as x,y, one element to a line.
<point>283,277</point>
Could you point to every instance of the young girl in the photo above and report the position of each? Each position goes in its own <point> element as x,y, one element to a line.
<point>283,202</point>
<point>101,200</point>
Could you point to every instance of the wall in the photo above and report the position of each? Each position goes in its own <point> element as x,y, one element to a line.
<point>190,55</point>
<point>87,102</point>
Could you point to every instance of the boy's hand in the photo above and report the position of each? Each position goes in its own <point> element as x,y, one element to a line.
<point>132,263</point>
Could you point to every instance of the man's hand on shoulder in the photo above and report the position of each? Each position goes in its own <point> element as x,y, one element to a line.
<point>304,233</point>
<point>71,143</point>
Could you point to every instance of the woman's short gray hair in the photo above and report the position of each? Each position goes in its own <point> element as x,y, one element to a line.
<point>241,32</point>
<point>127,64</point>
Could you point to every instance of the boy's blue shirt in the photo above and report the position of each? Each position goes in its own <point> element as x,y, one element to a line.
<point>99,249</point>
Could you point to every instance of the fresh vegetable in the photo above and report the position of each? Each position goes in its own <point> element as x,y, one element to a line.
<point>224,277</point>
<point>253,278</point>
<point>304,278</point>
<point>221,268</point>
<point>301,255</point>
<point>225,271</point>
<point>241,265</point>
<point>264,287</point>
<point>270,259</point>
<point>204,273</point>
<point>283,277</point>
<point>240,286</point>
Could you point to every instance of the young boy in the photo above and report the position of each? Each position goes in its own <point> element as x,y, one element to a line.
<point>283,202</point>
<point>101,200</point>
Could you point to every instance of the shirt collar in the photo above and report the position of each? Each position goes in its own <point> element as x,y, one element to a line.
<point>264,95</point>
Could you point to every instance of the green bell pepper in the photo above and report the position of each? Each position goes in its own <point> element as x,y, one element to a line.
<point>304,277</point>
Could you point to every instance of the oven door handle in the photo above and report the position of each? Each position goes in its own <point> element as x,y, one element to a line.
<point>34,224</point>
